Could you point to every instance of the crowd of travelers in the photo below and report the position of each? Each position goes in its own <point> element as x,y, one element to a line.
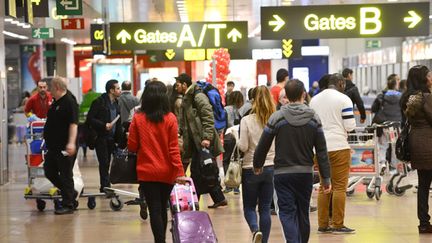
<point>282,133</point>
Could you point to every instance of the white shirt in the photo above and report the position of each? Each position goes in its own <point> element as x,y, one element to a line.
<point>250,134</point>
<point>335,110</point>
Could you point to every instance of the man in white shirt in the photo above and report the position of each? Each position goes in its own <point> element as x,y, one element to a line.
<point>336,112</point>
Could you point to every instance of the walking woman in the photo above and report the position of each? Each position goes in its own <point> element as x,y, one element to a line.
<point>257,188</point>
<point>416,103</point>
<point>153,136</point>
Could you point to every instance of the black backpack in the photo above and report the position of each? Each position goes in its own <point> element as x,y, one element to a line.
<point>402,144</point>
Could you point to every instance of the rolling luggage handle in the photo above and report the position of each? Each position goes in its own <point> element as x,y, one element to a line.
<point>177,197</point>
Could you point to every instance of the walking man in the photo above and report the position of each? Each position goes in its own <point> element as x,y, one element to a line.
<point>297,130</point>
<point>60,134</point>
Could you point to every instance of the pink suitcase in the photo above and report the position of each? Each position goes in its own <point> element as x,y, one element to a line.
<point>184,197</point>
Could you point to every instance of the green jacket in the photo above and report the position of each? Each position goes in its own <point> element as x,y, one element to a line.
<point>197,123</point>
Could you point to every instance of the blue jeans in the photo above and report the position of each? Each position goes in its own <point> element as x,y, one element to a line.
<point>258,189</point>
<point>294,192</point>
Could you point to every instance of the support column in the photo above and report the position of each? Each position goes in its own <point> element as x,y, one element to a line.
<point>65,61</point>
<point>4,164</point>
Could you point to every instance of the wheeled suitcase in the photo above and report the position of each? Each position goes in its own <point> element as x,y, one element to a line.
<point>188,224</point>
<point>193,227</point>
<point>183,197</point>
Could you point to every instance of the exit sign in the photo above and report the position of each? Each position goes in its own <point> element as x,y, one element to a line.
<point>42,33</point>
<point>371,44</point>
<point>73,24</point>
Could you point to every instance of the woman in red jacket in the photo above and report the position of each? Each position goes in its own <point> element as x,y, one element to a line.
<point>153,136</point>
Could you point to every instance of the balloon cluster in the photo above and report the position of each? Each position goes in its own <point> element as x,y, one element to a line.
<point>222,59</point>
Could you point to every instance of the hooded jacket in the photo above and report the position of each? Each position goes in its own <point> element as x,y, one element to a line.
<point>388,103</point>
<point>298,131</point>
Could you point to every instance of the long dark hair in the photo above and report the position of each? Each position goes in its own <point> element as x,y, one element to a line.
<point>154,101</point>
<point>416,82</point>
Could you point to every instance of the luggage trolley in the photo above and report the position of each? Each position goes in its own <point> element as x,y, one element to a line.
<point>35,156</point>
<point>364,162</point>
<point>392,130</point>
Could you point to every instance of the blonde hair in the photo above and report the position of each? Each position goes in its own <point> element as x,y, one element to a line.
<point>60,82</point>
<point>263,105</point>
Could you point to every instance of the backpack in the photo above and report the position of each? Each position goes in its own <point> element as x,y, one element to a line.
<point>402,144</point>
<point>215,99</point>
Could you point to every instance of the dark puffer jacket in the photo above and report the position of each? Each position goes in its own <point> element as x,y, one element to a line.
<point>418,109</point>
<point>353,93</point>
<point>389,102</point>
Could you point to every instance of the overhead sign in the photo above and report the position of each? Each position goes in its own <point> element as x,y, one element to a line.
<point>10,8</point>
<point>345,21</point>
<point>72,24</point>
<point>69,7</point>
<point>257,49</point>
<point>42,33</point>
<point>40,8</point>
<point>28,11</point>
<point>97,34</point>
<point>163,36</point>
<point>371,44</point>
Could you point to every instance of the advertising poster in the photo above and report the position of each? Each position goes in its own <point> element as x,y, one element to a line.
<point>30,67</point>
<point>362,160</point>
<point>105,72</point>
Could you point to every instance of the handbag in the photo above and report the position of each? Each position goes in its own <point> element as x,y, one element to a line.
<point>403,152</point>
<point>209,170</point>
<point>234,171</point>
<point>123,168</point>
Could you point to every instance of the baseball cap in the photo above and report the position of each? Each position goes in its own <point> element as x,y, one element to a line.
<point>184,78</point>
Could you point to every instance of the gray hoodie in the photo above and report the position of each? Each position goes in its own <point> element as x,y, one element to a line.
<point>298,131</point>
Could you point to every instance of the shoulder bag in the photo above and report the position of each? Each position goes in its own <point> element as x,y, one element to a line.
<point>234,171</point>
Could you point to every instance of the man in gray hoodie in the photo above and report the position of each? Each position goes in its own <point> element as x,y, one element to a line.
<point>297,130</point>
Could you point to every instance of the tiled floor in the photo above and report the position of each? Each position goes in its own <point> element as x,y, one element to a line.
<point>392,219</point>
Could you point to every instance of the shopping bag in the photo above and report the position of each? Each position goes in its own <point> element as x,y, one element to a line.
<point>123,168</point>
<point>233,174</point>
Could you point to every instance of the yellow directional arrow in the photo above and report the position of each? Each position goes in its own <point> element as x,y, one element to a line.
<point>170,54</point>
<point>234,34</point>
<point>278,22</point>
<point>414,18</point>
<point>287,47</point>
<point>123,35</point>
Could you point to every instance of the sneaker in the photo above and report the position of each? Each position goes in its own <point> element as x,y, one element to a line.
<point>257,237</point>
<point>325,230</point>
<point>236,191</point>
<point>227,190</point>
<point>343,230</point>
<point>425,229</point>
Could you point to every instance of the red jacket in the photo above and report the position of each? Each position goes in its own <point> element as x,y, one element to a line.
<point>38,106</point>
<point>156,145</point>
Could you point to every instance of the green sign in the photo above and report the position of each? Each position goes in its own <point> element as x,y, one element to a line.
<point>345,21</point>
<point>163,36</point>
<point>42,33</point>
<point>69,7</point>
<point>370,44</point>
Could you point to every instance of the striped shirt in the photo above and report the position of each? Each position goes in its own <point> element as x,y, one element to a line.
<point>335,110</point>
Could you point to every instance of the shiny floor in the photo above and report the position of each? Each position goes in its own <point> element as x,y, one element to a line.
<point>392,219</point>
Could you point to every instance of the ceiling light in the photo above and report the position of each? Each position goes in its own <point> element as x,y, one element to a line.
<point>68,41</point>
<point>15,35</point>
<point>315,50</point>
<point>392,0</point>
<point>21,24</point>
<point>8,19</point>
<point>430,16</point>
<point>180,2</point>
<point>181,8</point>
<point>15,22</point>
<point>26,26</point>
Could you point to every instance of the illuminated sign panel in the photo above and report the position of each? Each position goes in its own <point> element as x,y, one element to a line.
<point>97,35</point>
<point>163,36</point>
<point>345,21</point>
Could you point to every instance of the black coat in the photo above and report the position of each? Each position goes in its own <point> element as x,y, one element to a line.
<point>353,93</point>
<point>99,115</point>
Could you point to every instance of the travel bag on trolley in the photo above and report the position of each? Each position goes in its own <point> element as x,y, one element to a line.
<point>188,224</point>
